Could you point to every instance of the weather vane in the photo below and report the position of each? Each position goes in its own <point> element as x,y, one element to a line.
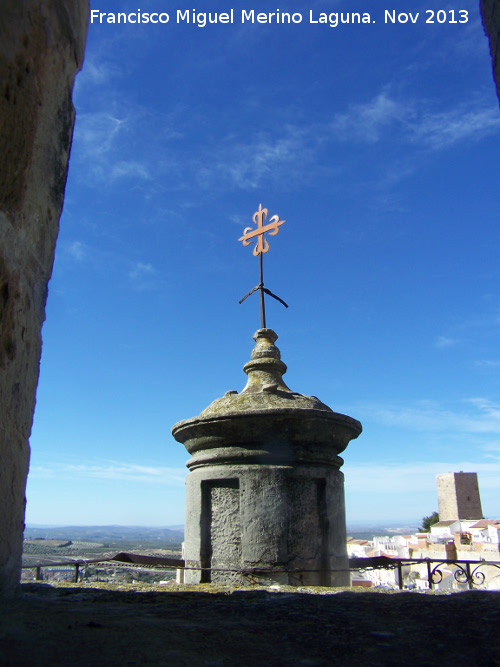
<point>262,246</point>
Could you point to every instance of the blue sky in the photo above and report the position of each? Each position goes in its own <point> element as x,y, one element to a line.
<point>378,144</point>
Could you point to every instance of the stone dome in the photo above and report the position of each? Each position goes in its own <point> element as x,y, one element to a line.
<point>267,422</point>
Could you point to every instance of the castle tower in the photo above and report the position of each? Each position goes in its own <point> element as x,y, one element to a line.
<point>265,495</point>
<point>458,496</point>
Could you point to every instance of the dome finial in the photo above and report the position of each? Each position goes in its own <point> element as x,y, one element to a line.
<point>265,369</point>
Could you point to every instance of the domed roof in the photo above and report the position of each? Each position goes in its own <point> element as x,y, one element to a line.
<point>267,422</point>
<point>265,388</point>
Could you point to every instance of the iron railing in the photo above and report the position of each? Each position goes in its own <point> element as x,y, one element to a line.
<point>465,571</point>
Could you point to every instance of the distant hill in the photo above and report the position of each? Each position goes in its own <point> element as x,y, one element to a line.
<point>364,531</point>
<point>107,534</point>
<point>173,535</point>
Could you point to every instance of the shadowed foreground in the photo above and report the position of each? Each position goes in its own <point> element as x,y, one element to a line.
<point>79,625</point>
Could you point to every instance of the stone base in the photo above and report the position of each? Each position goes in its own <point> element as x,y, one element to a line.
<point>266,524</point>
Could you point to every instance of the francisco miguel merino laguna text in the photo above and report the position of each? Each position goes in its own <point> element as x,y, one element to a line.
<point>201,19</point>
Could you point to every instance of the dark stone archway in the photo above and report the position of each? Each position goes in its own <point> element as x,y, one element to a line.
<point>41,50</point>
<point>490,11</point>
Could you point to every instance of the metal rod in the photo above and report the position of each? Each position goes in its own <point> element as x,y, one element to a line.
<point>429,574</point>
<point>274,296</point>
<point>469,578</point>
<point>261,290</point>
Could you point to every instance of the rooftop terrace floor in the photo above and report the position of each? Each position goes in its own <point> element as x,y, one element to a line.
<point>79,625</point>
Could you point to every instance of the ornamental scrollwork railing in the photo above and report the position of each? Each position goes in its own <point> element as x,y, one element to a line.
<point>464,573</point>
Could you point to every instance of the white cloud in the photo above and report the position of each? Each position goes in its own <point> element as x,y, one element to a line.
<point>441,130</point>
<point>486,406</point>
<point>102,146</point>
<point>406,492</point>
<point>96,72</point>
<point>431,417</point>
<point>413,477</point>
<point>488,363</point>
<point>111,470</point>
<point>129,169</point>
<point>124,141</point>
<point>96,133</point>
<point>77,250</point>
<point>238,220</point>
<point>406,485</point>
<point>444,341</point>
<point>291,151</point>
<point>140,270</point>
<point>143,276</point>
<point>368,121</point>
<point>492,449</point>
<point>250,163</point>
<point>382,117</point>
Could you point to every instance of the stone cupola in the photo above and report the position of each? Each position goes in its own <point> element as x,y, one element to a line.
<point>265,495</point>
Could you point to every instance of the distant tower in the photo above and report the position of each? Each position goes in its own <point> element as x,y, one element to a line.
<point>458,496</point>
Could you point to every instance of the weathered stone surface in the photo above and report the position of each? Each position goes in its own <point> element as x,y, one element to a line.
<point>265,495</point>
<point>490,10</point>
<point>143,625</point>
<point>458,496</point>
<point>41,49</point>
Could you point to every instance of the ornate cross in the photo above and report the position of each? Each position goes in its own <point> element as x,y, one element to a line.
<point>260,248</point>
<point>273,228</point>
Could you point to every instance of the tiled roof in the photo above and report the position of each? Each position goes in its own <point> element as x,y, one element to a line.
<point>444,523</point>
<point>484,523</point>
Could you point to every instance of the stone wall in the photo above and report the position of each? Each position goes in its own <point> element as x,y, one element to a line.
<point>41,50</point>
<point>458,496</point>
<point>490,10</point>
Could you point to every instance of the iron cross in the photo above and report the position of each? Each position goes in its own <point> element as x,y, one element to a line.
<point>273,228</point>
<point>262,246</point>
